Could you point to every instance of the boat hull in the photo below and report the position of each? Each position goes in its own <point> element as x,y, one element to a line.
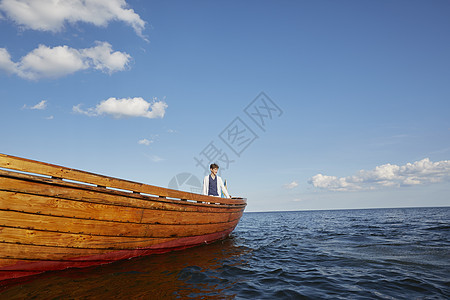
<point>52,218</point>
<point>24,268</point>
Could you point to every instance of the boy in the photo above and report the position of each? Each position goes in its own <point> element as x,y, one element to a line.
<point>213,184</point>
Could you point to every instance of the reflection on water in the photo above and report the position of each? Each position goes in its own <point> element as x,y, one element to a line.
<point>183,274</point>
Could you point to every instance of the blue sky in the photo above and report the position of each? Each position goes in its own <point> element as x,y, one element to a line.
<point>354,96</point>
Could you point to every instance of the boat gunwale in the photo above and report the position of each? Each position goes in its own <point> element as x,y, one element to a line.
<point>59,174</point>
<point>225,208</point>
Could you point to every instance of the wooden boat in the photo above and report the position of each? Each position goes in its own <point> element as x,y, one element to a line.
<point>52,218</point>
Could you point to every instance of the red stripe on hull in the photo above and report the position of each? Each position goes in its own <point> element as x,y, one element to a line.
<point>32,268</point>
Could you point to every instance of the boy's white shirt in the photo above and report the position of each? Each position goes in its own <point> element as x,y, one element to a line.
<point>220,186</point>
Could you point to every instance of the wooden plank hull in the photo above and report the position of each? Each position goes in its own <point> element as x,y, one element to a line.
<point>64,258</point>
<point>52,223</point>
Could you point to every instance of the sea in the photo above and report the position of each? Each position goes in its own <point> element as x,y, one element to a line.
<point>395,253</point>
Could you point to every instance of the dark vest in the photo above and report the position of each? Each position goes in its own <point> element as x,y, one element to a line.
<point>212,186</point>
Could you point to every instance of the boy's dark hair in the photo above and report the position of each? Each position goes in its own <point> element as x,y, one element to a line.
<point>213,166</point>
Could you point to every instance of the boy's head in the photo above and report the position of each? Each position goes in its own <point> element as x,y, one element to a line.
<point>213,166</point>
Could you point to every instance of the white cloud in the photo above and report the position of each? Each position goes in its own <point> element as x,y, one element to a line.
<point>291,185</point>
<point>388,175</point>
<point>102,57</point>
<point>6,63</point>
<point>77,109</point>
<point>40,106</point>
<point>145,142</point>
<point>51,15</point>
<point>156,158</point>
<point>126,107</point>
<point>46,62</point>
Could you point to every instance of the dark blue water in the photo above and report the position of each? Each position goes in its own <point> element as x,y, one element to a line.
<point>346,254</point>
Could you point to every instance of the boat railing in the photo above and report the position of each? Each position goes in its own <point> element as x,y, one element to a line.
<point>37,168</point>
